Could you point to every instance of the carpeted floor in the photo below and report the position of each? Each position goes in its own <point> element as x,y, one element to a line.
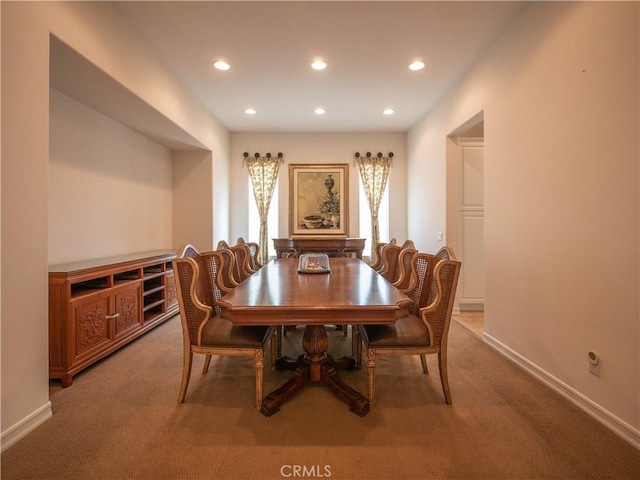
<point>119,420</point>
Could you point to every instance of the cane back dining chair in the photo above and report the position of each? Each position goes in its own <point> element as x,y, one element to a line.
<point>390,254</point>
<point>400,280</point>
<point>377,265</point>
<point>204,331</point>
<point>243,261</point>
<point>425,330</point>
<point>254,250</point>
<point>227,278</point>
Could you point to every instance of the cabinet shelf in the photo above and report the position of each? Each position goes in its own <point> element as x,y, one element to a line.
<point>152,305</point>
<point>88,287</point>
<point>153,290</point>
<point>125,277</point>
<point>151,276</point>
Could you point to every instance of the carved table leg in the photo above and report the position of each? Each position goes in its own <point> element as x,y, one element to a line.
<point>315,365</point>
<point>315,343</point>
<point>359,404</point>
<point>271,403</point>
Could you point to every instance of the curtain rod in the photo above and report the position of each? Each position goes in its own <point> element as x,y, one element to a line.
<point>368,154</point>
<point>257,155</point>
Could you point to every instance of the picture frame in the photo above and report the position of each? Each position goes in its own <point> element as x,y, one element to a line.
<point>319,200</point>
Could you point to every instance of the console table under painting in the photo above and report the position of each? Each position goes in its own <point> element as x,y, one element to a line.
<point>336,247</point>
<point>96,307</point>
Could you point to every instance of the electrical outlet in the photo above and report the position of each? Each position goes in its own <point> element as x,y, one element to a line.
<point>595,369</point>
<point>439,236</point>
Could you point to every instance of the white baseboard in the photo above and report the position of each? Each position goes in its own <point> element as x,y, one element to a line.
<point>609,420</point>
<point>26,425</point>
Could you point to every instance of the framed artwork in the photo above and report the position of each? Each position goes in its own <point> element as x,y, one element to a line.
<point>319,199</point>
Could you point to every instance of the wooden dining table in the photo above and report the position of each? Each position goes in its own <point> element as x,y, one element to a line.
<point>351,293</point>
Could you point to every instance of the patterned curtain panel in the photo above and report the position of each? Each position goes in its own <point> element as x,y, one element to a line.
<point>263,172</point>
<point>374,171</point>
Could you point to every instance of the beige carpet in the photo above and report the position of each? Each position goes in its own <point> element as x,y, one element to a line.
<point>120,420</point>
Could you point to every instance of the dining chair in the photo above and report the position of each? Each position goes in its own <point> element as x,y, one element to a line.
<point>187,250</point>
<point>426,329</point>
<point>390,254</point>
<point>246,264</point>
<point>222,244</point>
<point>400,280</point>
<point>408,244</point>
<point>377,265</point>
<point>243,261</point>
<point>204,330</point>
<point>228,277</point>
<point>236,274</point>
<point>254,249</point>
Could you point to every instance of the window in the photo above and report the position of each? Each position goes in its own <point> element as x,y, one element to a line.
<point>254,219</point>
<point>365,218</point>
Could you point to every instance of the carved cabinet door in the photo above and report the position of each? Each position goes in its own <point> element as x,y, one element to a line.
<point>127,310</point>
<point>92,324</point>
<point>171,291</point>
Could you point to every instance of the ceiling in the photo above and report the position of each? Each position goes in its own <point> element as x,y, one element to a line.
<point>367,45</point>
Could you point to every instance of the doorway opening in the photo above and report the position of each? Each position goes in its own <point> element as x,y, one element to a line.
<point>465,218</point>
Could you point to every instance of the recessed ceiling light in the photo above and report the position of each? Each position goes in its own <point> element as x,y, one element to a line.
<point>250,111</point>
<point>417,65</point>
<point>388,111</point>
<point>221,65</point>
<point>319,111</point>
<point>319,65</point>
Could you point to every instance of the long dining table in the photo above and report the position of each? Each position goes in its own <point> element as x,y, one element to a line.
<point>351,293</point>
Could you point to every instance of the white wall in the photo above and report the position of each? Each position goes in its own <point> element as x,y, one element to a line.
<point>98,33</point>
<point>318,148</point>
<point>559,91</point>
<point>109,187</point>
<point>194,200</point>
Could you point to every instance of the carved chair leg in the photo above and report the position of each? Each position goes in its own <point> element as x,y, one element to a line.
<point>186,375</point>
<point>371,362</point>
<point>258,362</point>
<point>207,362</point>
<point>423,359</point>
<point>444,379</point>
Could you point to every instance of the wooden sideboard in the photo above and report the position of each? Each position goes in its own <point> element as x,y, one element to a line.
<point>333,246</point>
<point>96,307</point>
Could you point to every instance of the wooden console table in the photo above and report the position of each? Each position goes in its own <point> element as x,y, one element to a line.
<point>334,247</point>
<point>96,307</point>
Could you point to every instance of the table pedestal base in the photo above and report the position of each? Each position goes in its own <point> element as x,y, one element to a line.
<point>315,365</point>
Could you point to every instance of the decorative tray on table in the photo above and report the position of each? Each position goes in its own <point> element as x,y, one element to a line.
<point>314,263</point>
